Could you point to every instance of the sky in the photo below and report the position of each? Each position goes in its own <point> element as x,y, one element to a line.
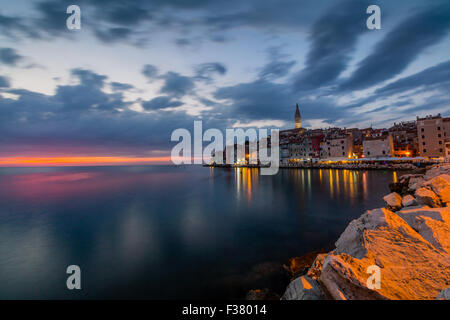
<point>114,91</point>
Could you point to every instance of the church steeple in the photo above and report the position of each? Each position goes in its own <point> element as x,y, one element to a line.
<point>298,118</point>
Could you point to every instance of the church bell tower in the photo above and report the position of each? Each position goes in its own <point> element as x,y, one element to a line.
<point>298,118</point>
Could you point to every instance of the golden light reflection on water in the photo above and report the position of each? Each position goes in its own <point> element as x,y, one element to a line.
<point>349,185</point>
<point>246,179</point>
<point>394,176</point>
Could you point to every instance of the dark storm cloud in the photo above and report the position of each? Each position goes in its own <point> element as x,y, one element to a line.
<point>276,67</point>
<point>401,46</point>
<point>206,71</point>
<point>119,86</point>
<point>89,78</point>
<point>428,78</point>
<point>13,27</point>
<point>333,38</point>
<point>9,56</point>
<point>88,94</point>
<point>161,102</point>
<point>4,82</point>
<point>267,100</point>
<point>177,85</point>
<point>150,71</point>
<point>116,20</point>
<point>85,116</point>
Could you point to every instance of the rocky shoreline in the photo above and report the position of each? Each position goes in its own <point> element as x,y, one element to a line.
<point>407,242</point>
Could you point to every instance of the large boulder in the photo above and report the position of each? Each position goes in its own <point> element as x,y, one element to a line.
<point>408,201</point>
<point>303,288</point>
<point>393,201</point>
<point>316,268</point>
<point>437,170</point>
<point>415,183</point>
<point>411,267</point>
<point>427,197</point>
<point>433,224</point>
<point>441,187</point>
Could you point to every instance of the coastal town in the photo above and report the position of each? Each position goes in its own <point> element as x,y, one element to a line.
<point>403,145</point>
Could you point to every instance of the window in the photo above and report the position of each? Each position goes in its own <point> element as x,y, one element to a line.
<point>384,152</point>
<point>424,150</point>
<point>440,142</point>
<point>439,128</point>
<point>440,150</point>
<point>423,137</point>
<point>439,135</point>
<point>368,153</point>
<point>343,153</point>
<point>422,130</point>
<point>423,143</point>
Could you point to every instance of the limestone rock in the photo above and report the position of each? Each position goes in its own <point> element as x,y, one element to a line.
<point>299,266</point>
<point>303,288</point>
<point>444,295</point>
<point>411,268</point>
<point>316,268</point>
<point>441,186</point>
<point>393,201</point>
<point>408,201</point>
<point>415,183</point>
<point>428,197</point>
<point>437,170</point>
<point>433,224</point>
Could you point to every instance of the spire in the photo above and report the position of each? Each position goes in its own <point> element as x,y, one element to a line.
<point>297,118</point>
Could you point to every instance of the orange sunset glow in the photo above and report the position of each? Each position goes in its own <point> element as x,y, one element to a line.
<point>79,161</point>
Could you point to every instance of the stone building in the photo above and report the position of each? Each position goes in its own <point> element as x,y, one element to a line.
<point>379,146</point>
<point>432,132</point>
<point>337,144</point>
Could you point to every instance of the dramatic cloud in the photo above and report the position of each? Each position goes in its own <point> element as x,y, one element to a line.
<point>177,85</point>
<point>161,102</point>
<point>84,116</point>
<point>206,71</point>
<point>333,39</point>
<point>150,71</point>
<point>326,59</point>
<point>261,100</point>
<point>9,56</point>
<point>435,76</point>
<point>401,46</point>
<point>277,67</point>
<point>119,86</point>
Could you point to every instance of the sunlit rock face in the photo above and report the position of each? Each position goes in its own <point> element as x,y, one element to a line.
<point>393,200</point>
<point>410,247</point>
<point>427,197</point>
<point>408,201</point>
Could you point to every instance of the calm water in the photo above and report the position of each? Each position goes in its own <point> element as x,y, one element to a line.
<point>168,232</point>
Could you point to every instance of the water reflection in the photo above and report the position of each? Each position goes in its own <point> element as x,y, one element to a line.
<point>168,232</point>
<point>346,185</point>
